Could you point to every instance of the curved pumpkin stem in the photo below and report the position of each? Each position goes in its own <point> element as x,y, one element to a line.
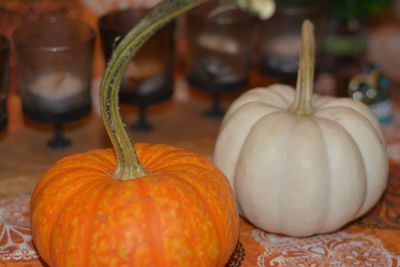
<point>128,164</point>
<point>305,76</point>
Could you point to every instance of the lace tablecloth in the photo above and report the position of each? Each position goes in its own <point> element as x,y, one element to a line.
<point>371,241</point>
<point>374,240</point>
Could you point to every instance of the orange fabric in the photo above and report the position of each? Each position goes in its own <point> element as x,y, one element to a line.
<point>371,241</point>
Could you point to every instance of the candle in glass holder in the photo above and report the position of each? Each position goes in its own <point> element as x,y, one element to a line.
<point>282,53</point>
<point>56,91</point>
<point>219,48</point>
<point>143,78</point>
<point>218,43</point>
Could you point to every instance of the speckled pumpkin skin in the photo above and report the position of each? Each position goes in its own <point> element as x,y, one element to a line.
<point>183,214</point>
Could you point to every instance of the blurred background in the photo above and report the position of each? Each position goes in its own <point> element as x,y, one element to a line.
<point>354,37</point>
<point>177,88</point>
<point>204,54</point>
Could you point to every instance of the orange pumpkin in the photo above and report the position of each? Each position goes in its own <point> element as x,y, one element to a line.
<point>181,214</point>
<point>143,205</point>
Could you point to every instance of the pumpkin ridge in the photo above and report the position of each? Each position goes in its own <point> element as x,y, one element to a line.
<point>353,140</point>
<point>340,108</point>
<point>363,160</point>
<point>90,222</point>
<point>142,149</point>
<point>280,189</point>
<point>211,215</point>
<point>180,156</point>
<point>281,195</point>
<point>273,89</point>
<point>60,205</point>
<point>86,160</point>
<point>153,235</point>
<point>51,224</point>
<point>250,102</point>
<point>212,183</point>
<point>95,153</point>
<point>106,156</point>
<point>211,173</point>
<point>154,156</point>
<point>329,179</point>
<point>178,198</point>
<point>260,103</point>
<point>273,113</point>
<point>54,173</point>
<point>200,200</point>
<point>84,242</point>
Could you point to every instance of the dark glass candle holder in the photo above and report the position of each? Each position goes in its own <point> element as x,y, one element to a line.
<point>280,39</point>
<point>219,50</point>
<point>4,54</point>
<point>54,58</point>
<point>148,78</point>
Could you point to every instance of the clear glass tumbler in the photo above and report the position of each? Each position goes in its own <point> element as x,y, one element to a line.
<point>280,38</point>
<point>219,50</point>
<point>54,56</point>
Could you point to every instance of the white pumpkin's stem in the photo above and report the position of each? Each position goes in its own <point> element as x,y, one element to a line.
<point>128,164</point>
<point>305,76</point>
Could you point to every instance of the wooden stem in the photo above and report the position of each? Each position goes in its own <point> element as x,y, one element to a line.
<point>128,164</point>
<point>305,76</point>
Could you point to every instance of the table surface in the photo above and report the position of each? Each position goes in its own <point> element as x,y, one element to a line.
<point>24,156</point>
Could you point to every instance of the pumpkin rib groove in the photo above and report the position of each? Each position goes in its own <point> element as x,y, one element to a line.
<point>252,102</point>
<point>211,215</point>
<point>54,174</point>
<point>278,110</point>
<point>281,195</point>
<point>281,190</point>
<point>86,189</point>
<point>210,174</point>
<point>328,195</point>
<point>341,108</point>
<point>171,165</point>
<point>51,226</point>
<point>361,158</point>
<point>367,121</point>
<point>179,180</point>
<point>167,160</point>
<point>355,146</point>
<point>90,222</point>
<point>156,156</point>
<point>67,166</point>
<point>107,157</point>
<point>213,183</point>
<point>94,155</point>
<point>253,99</point>
<point>153,235</point>
<point>56,214</point>
<point>242,146</point>
<point>286,100</point>
<point>49,183</point>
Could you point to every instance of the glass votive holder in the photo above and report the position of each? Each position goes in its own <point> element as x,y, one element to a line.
<point>280,38</point>
<point>219,46</point>
<point>149,77</point>
<point>4,54</point>
<point>54,56</point>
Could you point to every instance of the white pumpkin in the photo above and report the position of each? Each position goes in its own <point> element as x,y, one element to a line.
<point>301,164</point>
